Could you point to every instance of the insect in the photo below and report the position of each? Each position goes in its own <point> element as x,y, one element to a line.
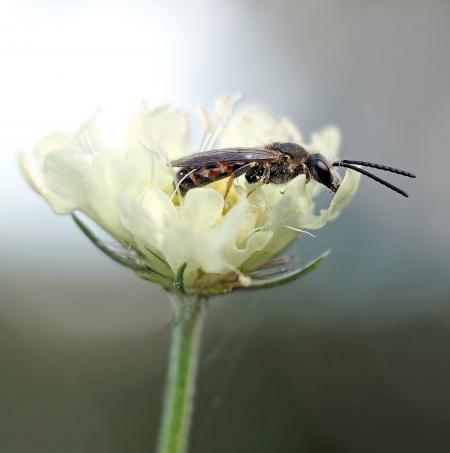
<point>276,163</point>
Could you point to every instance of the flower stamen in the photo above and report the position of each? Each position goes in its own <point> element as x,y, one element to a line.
<point>244,280</point>
<point>298,230</point>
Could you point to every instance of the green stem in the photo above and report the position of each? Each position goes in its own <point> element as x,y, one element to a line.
<point>180,386</point>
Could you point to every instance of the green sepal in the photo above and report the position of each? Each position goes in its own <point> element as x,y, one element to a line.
<point>286,277</point>
<point>92,236</point>
<point>137,265</point>
<point>178,283</point>
<point>155,277</point>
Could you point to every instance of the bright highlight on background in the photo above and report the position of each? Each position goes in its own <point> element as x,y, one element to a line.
<point>61,64</point>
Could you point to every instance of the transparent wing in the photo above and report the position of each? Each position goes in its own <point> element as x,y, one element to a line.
<point>227,156</point>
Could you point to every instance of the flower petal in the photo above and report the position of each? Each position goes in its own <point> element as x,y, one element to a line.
<point>69,180</point>
<point>146,217</point>
<point>201,209</point>
<point>224,107</point>
<point>288,209</point>
<point>345,193</point>
<point>31,173</point>
<point>163,130</point>
<point>190,234</point>
<point>340,200</point>
<point>327,142</point>
<point>257,127</point>
<point>51,143</point>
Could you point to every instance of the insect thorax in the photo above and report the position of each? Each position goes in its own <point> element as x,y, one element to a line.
<point>293,150</point>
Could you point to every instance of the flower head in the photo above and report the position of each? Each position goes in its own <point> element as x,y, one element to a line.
<point>130,193</point>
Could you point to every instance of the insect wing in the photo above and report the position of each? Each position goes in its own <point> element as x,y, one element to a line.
<point>227,156</point>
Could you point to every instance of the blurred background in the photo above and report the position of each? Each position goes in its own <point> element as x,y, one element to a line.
<point>353,358</point>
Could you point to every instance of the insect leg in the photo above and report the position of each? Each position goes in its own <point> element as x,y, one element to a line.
<point>240,171</point>
<point>264,178</point>
<point>306,172</point>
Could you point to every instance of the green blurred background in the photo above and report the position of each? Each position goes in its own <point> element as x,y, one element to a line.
<point>353,358</point>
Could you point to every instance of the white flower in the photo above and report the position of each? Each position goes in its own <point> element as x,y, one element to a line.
<point>130,192</point>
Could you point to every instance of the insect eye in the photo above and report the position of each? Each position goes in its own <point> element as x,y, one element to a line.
<point>323,172</point>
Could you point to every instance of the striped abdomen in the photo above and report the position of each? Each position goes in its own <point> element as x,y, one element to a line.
<point>197,177</point>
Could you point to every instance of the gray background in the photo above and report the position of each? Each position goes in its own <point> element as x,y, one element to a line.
<point>353,358</point>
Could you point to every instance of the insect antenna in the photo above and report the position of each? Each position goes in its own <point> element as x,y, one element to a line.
<point>372,176</point>
<point>378,166</point>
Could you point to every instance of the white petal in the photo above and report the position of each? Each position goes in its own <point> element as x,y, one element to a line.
<point>327,142</point>
<point>255,243</point>
<point>223,240</point>
<point>274,243</point>
<point>234,226</point>
<point>257,127</point>
<point>90,140</point>
<point>146,218</point>
<point>163,130</point>
<point>293,134</point>
<point>202,242</point>
<point>295,208</point>
<point>290,208</point>
<point>237,237</point>
<point>345,193</point>
<point>31,173</point>
<point>293,205</point>
<point>201,209</point>
<point>224,107</point>
<point>191,237</point>
<point>51,143</point>
<point>69,180</point>
<point>341,199</point>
